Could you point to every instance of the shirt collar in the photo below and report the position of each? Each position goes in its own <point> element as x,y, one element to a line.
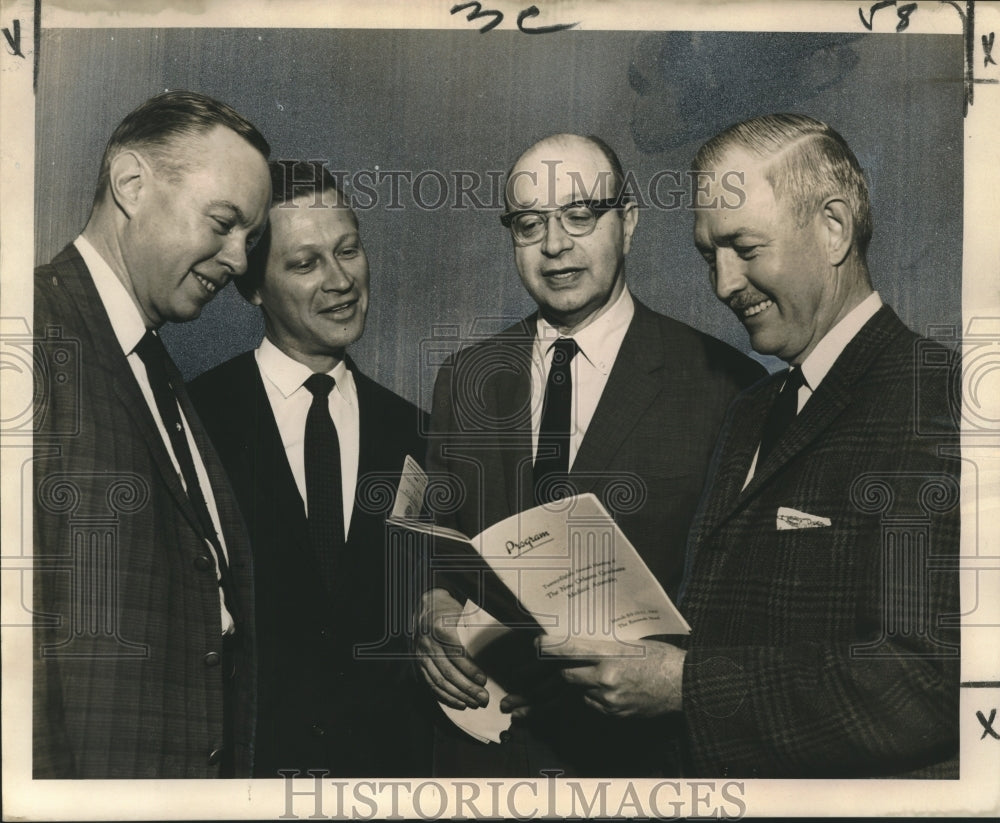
<point>126,319</point>
<point>288,374</point>
<point>599,341</point>
<point>822,358</point>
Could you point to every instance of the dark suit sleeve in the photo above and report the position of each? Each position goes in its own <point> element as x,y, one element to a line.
<point>52,754</point>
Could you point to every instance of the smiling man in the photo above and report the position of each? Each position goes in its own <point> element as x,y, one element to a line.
<point>822,589</point>
<point>311,445</point>
<point>595,392</point>
<point>144,663</point>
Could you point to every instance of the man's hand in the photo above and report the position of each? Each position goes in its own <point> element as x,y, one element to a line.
<point>541,694</point>
<point>455,680</point>
<point>618,679</point>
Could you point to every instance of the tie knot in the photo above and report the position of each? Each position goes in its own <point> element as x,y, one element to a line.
<point>563,351</point>
<point>320,385</point>
<point>794,380</point>
<point>150,348</point>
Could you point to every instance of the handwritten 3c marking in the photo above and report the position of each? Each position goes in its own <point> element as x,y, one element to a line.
<point>477,12</point>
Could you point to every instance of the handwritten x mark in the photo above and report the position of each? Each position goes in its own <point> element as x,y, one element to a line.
<point>988,724</point>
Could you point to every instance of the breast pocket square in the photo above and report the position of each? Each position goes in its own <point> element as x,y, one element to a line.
<point>794,519</point>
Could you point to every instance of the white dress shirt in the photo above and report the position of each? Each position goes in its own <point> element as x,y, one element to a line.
<point>129,328</point>
<point>598,344</point>
<point>290,401</point>
<point>821,359</point>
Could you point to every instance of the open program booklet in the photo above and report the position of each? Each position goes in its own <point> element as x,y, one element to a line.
<point>564,569</point>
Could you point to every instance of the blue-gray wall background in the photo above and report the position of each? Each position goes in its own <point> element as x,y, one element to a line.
<point>450,101</point>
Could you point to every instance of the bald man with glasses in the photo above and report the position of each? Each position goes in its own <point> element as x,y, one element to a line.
<point>593,393</point>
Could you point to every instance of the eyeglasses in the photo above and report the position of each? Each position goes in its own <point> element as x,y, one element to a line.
<point>577,219</point>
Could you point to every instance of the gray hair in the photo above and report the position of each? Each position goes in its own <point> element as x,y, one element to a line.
<point>811,163</point>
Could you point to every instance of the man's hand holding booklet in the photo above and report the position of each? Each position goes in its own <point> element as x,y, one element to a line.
<point>564,570</point>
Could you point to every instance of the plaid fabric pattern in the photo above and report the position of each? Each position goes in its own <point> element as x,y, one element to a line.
<point>832,651</point>
<point>128,672</point>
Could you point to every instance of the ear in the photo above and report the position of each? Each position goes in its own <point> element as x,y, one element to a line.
<point>838,227</point>
<point>630,219</point>
<point>255,298</point>
<point>128,174</point>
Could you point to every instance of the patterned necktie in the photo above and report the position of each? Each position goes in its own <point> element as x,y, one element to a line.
<point>324,493</point>
<point>154,357</point>
<point>552,456</point>
<point>782,412</point>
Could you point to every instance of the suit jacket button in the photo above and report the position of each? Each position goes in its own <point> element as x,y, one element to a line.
<point>212,659</point>
<point>318,730</point>
<point>215,757</point>
<point>725,771</point>
<point>203,563</point>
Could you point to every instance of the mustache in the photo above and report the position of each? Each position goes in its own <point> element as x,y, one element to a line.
<point>739,303</point>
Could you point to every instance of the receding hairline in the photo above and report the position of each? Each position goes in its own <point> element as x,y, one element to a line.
<point>172,154</point>
<point>560,141</point>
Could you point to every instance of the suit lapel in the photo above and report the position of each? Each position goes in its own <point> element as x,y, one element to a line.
<point>116,365</point>
<point>825,404</point>
<point>271,468</point>
<point>512,401</point>
<point>368,445</point>
<point>734,455</point>
<point>229,518</point>
<point>369,460</point>
<point>635,380</point>
<point>132,399</point>
<point>829,400</point>
<point>255,450</point>
<point>270,487</point>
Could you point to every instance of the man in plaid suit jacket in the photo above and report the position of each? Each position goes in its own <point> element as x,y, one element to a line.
<point>823,606</point>
<point>144,663</point>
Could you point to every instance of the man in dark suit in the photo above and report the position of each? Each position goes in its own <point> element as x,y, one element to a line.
<point>822,589</point>
<point>333,688</point>
<point>144,646</point>
<point>647,397</point>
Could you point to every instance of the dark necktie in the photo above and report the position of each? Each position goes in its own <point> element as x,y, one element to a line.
<point>324,493</point>
<point>155,358</point>
<point>782,412</point>
<point>552,460</point>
